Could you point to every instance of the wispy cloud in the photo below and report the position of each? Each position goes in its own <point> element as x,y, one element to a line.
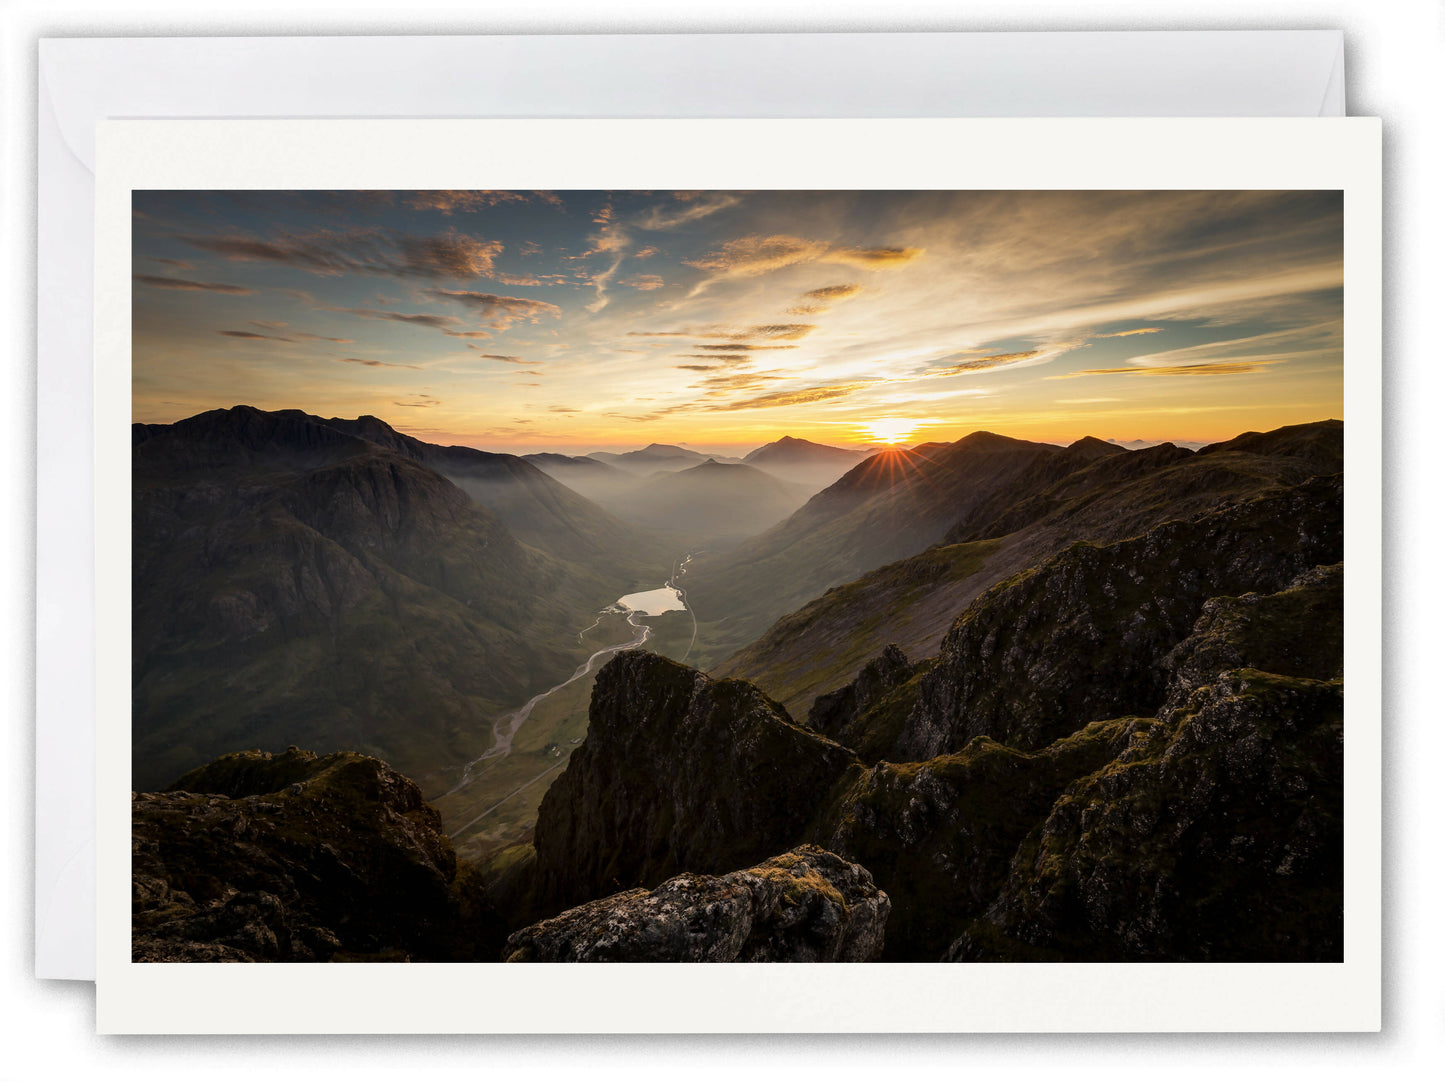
<point>694,206</point>
<point>1220,368</point>
<point>599,282</point>
<point>158,282</point>
<point>304,336</point>
<point>364,250</point>
<point>253,334</point>
<point>983,364</point>
<point>872,258</point>
<point>757,254</point>
<point>802,397</point>
<point>416,319</point>
<point>449,202</point>
<point>500,312</point>
<point>374,364</point>
<point>817,301</point>
<point>643,282</point>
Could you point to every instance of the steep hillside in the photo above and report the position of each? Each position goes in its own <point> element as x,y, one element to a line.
<point>889,506</point>
<point>1129,753</point>
<point>677,773</point>
<point>297,584</point>
<point>1111,496</point>
<point>538,510</point>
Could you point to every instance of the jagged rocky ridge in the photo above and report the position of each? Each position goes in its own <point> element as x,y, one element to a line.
<point>1004,523</point>
<point>1184,806</point>
<point>678,773</point>
<point>298,858</point>
<point>1157,765</point>
<point>1083,636</point>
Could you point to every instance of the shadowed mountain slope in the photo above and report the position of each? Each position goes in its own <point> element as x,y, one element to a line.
<point>538,510</point>
<point>889,506</point>
<point>1112,495</point>
<point>294,583</point>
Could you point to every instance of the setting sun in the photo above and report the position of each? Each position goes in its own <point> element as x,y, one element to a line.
<point>890,429</point>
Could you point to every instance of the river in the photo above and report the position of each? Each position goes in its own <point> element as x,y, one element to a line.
<point>666,598</point>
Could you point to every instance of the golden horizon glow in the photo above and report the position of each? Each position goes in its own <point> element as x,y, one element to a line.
<point>581,321</point>
<point>890,430</point>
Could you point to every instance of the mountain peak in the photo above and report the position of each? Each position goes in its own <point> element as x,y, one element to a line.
<point>1095,447</point>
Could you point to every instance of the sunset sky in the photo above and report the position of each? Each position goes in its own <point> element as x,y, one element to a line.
<point>581,321</point>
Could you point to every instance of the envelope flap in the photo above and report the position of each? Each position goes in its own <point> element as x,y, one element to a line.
<point>1148,73</point>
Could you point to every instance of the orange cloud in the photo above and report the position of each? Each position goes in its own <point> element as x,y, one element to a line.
<point>873,258</point>
<point>1222,368</point>
<point>374,364</point>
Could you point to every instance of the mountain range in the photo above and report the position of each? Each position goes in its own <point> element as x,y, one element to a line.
<point>298,579</point>
<point>995,700</point>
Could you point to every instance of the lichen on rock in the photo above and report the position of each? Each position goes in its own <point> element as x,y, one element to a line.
<point>805,905</point>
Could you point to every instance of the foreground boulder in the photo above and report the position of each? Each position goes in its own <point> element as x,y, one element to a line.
<point>296,858</point>
<point>806,905</point>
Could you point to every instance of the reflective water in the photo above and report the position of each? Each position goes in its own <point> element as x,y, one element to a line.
<point>653,602</point>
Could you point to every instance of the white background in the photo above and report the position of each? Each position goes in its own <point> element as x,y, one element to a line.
<point>1394,51</point>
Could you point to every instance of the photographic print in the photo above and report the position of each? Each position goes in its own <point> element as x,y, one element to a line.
<point>660,575</point>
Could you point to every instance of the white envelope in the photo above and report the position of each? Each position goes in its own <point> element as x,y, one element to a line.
<point>1167,73</point>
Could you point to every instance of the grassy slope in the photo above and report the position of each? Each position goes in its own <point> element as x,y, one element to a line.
<point>822,645</point>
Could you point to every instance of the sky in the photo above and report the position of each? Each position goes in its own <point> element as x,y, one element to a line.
<point>578,321</point>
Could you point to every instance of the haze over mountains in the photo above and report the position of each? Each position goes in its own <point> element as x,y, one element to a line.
<point>697,498</point>
<point>927,681</point>
<point>1012,499</point>
<point>298,579</point>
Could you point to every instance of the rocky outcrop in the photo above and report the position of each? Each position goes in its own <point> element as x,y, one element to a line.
<point>938,836</point>
<point>1084,635</point>
<point>837,713</point>
<point>1217,836</point>
<point>1216,833</point>
<point>807,905</point>
<point>678,772</point>
<point>295,857</point>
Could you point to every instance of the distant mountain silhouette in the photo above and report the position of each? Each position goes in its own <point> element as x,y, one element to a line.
<point>657,456</point>
<point>712,501</point>
<point>804,462</point>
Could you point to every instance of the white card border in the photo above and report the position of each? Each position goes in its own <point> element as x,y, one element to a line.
<point>598,154</point>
